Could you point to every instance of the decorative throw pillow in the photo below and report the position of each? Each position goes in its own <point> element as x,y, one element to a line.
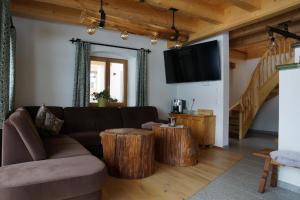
<point>47,123</point>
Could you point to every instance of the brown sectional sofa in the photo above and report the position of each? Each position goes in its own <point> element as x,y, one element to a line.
<point>85,123</point>
<point>61,167</point>
<point>56,168</point>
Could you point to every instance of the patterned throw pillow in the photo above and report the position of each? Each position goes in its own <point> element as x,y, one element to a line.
<point>47,123</point>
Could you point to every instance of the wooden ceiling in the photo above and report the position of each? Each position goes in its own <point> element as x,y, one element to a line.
<point>252,41</point>
<point>196,19</point>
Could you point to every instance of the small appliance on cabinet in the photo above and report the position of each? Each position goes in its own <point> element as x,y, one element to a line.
<point>178,105</point>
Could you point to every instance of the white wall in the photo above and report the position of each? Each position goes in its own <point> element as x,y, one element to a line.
<point>46,59</point>
<point>267,119</point>
<point>213,94</point>
<point>268,115</point>
<point>240,77</point>
<point>289,120</point>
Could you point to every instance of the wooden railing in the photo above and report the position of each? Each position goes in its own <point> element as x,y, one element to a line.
<point>263,80</point>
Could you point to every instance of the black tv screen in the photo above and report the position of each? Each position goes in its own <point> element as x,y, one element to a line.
<point>200,62</point>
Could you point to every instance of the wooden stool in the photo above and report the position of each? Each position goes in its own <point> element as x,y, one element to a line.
<point>265,153</point>
<point>128,153</point>
<point>175,146</point>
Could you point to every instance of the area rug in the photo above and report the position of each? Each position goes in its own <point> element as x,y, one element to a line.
<point>241,183</point>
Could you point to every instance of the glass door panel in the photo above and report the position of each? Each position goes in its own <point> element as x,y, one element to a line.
<point>117,81</point>
<point>97,78</point>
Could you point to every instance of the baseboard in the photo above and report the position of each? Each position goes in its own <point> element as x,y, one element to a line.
<point>288,186</point>
<point>254,131</point>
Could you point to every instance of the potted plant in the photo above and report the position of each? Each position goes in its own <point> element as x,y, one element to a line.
<point>103,98</point>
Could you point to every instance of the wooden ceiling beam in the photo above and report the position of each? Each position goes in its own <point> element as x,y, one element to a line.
<point>190,7</point>
<point>236,17</point>
<point>89,18</point>
<point>248,5</point>
<point>43,11</point>
<point>260,36</point>
<point>134,11</point>
<point>50,12</point>
<point>236,54</point>
<point>252,29</point>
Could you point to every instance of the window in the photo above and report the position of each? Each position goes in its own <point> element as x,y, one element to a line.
<point>110,74</point>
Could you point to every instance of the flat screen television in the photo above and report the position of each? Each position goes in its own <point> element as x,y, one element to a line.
<point>199,62</point>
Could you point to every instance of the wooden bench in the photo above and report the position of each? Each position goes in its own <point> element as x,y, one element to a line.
<point>269,163</point>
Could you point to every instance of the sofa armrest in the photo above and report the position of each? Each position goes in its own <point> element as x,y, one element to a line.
<point>52,178</point>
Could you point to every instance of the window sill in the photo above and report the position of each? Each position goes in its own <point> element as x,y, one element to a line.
<point>117,105</point>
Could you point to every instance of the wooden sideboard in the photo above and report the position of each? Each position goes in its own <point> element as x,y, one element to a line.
<point>202,126</point>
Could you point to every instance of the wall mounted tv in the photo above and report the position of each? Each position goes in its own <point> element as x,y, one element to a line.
<point>199,62</point>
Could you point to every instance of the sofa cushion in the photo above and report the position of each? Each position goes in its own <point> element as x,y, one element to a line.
<point>60,139</point>
<point>53,178</point>
<point>134,117</point>
<point>63,147</point>
<point>57,111</point>
<point>87,138</point>
<point>81,119</point>
<point>27,131</point>
<point>13,149</point>
<point>47,123</point>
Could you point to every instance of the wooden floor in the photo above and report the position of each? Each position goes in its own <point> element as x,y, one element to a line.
<point>172,183</point>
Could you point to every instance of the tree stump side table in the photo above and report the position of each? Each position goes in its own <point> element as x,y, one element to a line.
<point>128,153</point>
<point>175,146</point>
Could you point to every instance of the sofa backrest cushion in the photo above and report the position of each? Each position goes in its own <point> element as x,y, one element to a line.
<point>13,148</point>
<point>57,111</point>
<point>79,119</point>
<point>134,117</point>
<point>23,123</point>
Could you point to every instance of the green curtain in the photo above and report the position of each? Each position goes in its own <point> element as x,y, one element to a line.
<point>81,92</point>
<point>142,78</point>
<point>7,60</point>
<point>12,69</point>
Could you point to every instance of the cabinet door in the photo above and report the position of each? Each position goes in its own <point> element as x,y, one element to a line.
<point>203,129</point>
<point>183,121</point>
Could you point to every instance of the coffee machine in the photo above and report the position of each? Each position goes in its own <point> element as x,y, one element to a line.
<point>178,105</point>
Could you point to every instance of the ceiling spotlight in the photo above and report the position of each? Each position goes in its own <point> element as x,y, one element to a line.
<point>91,30</point>
<point>178,44</point>
<point>273,46</point>
<point>124,35</point>
<point>154,38</point>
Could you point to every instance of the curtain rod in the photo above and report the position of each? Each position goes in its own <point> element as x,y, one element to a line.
<point>107,45</point>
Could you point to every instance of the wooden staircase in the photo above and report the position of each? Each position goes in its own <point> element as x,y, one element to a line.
<point>263,85</point>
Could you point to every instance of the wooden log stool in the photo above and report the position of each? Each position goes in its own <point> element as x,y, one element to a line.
<point>128,153</point>
<point>269,163</point>
<point>175,146</point>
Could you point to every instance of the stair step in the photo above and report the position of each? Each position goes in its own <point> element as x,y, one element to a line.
<point>234,121</point>
<point>234,134</point>
<point>234,127</point>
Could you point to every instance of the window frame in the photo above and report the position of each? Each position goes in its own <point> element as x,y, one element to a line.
<point>107,61</point>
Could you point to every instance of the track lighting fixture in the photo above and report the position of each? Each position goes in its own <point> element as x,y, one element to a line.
<point>102,15</point>
<point>91,29</point>
<point>176,33</point>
